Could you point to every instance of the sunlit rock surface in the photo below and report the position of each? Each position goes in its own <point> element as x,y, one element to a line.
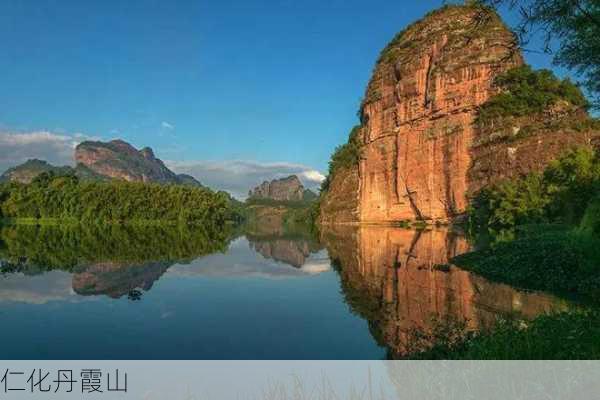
<point>284,189</point>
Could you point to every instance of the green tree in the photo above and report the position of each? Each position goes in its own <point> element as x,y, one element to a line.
<point>66,197</point>
<point>561,194</point>
<point>526,91</point>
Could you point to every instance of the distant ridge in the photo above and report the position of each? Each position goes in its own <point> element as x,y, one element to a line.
<point>119,159</point>
<point>97,160</point>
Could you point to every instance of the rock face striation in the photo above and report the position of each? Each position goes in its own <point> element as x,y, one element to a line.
<point>118,159</point>
<point>419,110</point>
<point>285,189</point>
<point>422,151</point>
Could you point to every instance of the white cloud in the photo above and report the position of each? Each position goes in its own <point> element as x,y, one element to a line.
<point>18,147</point>
<point>37,289</point>
<point>167,125</point>
<point>237,176</point>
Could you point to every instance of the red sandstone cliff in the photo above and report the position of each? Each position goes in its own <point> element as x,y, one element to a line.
<point>421,153</point>
<point>418,112</point>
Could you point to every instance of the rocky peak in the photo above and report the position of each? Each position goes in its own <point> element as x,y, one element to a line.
<point>284,189</point>
<point>147,153</point>
<point>26,172</point>
<point>419,110</point>
<point>116,159</point>
<point>451,108</point>
<point>119,159</point>
<point>417,116</point>
<point>122,146</point>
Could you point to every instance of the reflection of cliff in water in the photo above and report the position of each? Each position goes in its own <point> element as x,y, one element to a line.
<point>399,281</point>
<point>116,280</point>
<point>113,260</point>
<point>294,251</point>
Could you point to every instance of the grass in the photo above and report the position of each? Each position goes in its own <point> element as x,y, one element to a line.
<point>573,335</point>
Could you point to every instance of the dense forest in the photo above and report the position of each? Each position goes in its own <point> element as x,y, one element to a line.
<point>66,197</point>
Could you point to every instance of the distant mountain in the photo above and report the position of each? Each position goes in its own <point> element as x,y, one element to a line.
<point>285,189</point>
<point>116,159</point>
<point>309,195</point>
<point>25,172</point>
<point>185,179</point>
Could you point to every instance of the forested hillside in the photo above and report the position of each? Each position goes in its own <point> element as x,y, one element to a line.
<point>50,196</point>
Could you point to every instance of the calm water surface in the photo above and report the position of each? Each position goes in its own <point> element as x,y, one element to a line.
<point>173,293</point>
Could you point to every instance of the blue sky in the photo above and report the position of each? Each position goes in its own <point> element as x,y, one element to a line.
<point>275,84</point>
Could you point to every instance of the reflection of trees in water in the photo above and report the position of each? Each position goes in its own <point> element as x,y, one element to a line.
<point>105,259</point>
<point>392,278</point>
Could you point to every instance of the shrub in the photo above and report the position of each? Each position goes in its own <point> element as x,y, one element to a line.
<point>525,92</point>
<point>570,335</point>
<point>344,156</point>
<point>561,194</point>
<point>510,203</point>
<point>590,223</point>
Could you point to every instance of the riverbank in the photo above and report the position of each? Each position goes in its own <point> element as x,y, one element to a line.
<point>570,335</point>
<point>549,258</point>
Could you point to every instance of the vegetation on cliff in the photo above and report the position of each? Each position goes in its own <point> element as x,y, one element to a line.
<point>68,198</point>
<point>560,194</point>
<point>524,91</point>
<point>485,20</point>
<point>338,198</point>
<point>346,155</point>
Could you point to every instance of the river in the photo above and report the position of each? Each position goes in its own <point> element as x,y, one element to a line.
<point>75,292</point>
